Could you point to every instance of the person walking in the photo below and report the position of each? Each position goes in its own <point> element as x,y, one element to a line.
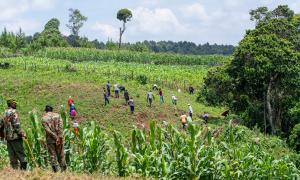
<point>13,134</point>
<point>190,110</point>
<point>126,96</point>
<point>108,88</point>
<point>131,105</point>
<point>161,96</point>
<point>53,126</point>
<point>106,97</point>
<point>150,98</point>
<point>117,90</point>
<point>174,100</point>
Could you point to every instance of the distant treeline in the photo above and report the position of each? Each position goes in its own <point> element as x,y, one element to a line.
<point>51,37</point>
<point>184,47</point>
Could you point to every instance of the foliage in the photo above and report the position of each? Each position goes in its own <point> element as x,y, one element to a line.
<point>50,36</point>
<point>142,79</point>
<point>76,20</point>
<point>139,47</point>
<point>294,138</point>
<point>217,87</point>
<point>184,47</point>
<point>124,15</point>
<point>262,14</point>
<point>166,153</point>
<point>265,66</point>
<point>82,54</point>
<point>13,41</point>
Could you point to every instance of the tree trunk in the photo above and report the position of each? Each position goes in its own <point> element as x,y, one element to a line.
<point>120,39</point>
<point>269,105</point>
<point>121,34</point>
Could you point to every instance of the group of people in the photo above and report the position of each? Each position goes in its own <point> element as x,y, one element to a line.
<point>117,90</point>
<point>73,114</point>
<point>11,131</point>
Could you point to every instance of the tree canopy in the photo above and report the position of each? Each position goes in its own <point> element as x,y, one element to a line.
<point>124,15</point>
<point>76,20</point>
<point>264,74</point>
<point>51,36</point>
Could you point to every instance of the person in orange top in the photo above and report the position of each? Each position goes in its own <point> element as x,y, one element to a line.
<point>183,121</point>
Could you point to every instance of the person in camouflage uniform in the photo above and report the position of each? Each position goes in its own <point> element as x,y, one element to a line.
<point>53,126</point>
<point>11,131</point>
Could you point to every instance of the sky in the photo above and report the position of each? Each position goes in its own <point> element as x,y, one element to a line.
<point>199,21</point>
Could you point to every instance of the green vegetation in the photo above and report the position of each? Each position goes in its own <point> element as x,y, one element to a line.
<point>79,55</point>
<point>259,85</point>
<point>229,151</point>
<point>262,82</point>
<point>35,82</point>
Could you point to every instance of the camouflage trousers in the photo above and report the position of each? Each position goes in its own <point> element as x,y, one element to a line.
<point>57,155</point>
<point>16,154</point>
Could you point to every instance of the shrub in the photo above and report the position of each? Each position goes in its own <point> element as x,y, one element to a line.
<point>142,79</point>
<point>294,139</point>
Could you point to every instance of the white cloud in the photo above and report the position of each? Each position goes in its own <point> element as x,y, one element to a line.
<point>10,9</point>
<point>42,4</point>
<point>106,30</point>
<point>160,20</point>
<point>196,10</point>
<point>27,25</point>
<point>296,7</point>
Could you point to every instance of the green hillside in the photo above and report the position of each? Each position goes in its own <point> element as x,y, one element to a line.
<point>219,150</point>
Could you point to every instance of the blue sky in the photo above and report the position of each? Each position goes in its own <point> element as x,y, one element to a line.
<point>199,21</point>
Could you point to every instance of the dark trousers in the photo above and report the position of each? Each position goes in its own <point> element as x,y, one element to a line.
<point>150,101</point>
<point>131,109</point>
<point>106,101</point>
<point>56,152</point>
<point>16,153</point>
<point>108,92</point>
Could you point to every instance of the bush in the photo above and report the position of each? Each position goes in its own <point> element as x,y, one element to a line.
<point>5,65</point>
<point>294,139</point>
<point>142,79</point>
<point>70,68</point>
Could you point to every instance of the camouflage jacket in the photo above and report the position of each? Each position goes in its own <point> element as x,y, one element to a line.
<point>10,125</point>
<point>53,126</point>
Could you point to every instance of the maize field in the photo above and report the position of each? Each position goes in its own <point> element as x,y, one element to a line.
<point>173,77</point>
<point>164,152</point>
<point>82,54</point>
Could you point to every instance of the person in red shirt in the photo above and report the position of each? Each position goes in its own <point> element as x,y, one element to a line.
<point>70,101</point>
<point>161,96</point>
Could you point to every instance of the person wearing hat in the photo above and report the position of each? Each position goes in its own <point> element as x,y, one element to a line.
<point>14,135</point>
<point>53,126</point>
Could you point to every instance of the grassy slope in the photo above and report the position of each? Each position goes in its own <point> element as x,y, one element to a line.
<point>48,175</point>
<point>33,90</point>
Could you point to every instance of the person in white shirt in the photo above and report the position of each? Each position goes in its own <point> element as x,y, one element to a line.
<point>116,88</point>
<point>190,110</point>
<point>174,100</point>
